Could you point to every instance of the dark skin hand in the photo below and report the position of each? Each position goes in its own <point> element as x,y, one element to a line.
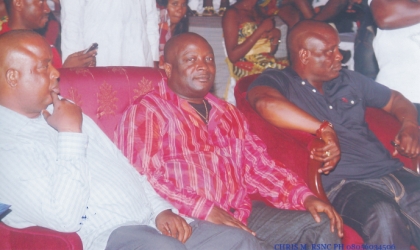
<point>406,142</point>
<point>80,59</point>
<point>332,146</point>
<point>66,117</point>
<point>314,206</point>
<point>173,225</point>
<point>407,139</point>
<point>220,216</point>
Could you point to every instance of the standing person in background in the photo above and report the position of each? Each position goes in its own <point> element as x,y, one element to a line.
<point>397,46</point>
<point>172,21</point>
<point>250,39</point>
<point>33,15</point>
<point>126,31</point>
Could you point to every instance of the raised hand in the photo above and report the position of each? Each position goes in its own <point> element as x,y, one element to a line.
<point>173,225</point>
<point>220,216</point>
<point>66,116</point>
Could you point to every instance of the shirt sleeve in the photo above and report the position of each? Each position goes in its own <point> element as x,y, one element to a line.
<point>72,24</point>
<point>280,186</point>
<point>46,189</point>
<point>152,28</point>
<point>139,136</point>
<point>374,94</point>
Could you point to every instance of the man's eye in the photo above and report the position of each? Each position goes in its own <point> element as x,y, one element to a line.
<point>210,59</point>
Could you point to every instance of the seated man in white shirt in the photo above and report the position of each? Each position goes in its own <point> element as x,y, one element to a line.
<point>60,171</point>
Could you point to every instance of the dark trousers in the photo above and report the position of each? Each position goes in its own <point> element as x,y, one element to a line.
<point>383,211</point>
<point>280,228</point>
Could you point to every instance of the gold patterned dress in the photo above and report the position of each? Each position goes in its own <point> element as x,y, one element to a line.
<point>258,58</point>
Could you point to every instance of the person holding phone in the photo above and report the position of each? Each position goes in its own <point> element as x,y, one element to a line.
<point>126,30</point>
<point>33,15</point>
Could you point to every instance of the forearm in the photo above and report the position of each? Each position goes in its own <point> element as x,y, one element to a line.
<point>280,112</point>
<point>305,8</point>
<point>331,9</point>
<point>402,109</point>
<point>394,14</point>
<point>238,51</point>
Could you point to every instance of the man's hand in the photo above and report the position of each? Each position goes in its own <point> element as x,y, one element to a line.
<point>80,59</point>
<point>330,154</point>
<point>220,216</point>
<point>315,206</point>
<point>407,140</point>
<point>66,116</point>
<point>173,225</point>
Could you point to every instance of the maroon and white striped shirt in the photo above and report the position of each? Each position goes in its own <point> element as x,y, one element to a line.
<point>197,166</point>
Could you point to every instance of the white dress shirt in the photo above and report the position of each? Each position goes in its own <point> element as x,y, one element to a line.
<point>70,182</point>
<point>126,31</point>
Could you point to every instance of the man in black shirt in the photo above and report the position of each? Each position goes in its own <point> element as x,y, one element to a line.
<point>373,192</point>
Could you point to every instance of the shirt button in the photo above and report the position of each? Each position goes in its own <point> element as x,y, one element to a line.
<point>331,107</point>
<point>352,102</point>
<point>314,90</point>
<point>303,83</point>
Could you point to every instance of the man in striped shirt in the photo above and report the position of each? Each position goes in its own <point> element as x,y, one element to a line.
<point>60,171</point>
<point>199,154</point>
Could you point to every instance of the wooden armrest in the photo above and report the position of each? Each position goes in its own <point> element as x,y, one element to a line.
<point>315,183</point>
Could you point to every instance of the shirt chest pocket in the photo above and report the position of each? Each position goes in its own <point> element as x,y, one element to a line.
<point>350,108</point>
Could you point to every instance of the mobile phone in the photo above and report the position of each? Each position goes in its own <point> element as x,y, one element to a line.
<point>92,47</point>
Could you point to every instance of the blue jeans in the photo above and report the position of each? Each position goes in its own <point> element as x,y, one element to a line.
<point>384,210</point>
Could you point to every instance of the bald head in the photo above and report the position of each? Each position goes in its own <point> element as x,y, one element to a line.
<point>305,35</point>
<point>17,44</point>
<point>179,42</point>
<point>27,77</point>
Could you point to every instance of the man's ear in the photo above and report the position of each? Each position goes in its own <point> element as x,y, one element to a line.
<point>168,69</point>
<point>304,55</point>
<point>12,77</point>
<point>17,4</point>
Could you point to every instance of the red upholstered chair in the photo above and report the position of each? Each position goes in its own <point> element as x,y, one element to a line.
<point>292,146</point>
<point>103,93</point>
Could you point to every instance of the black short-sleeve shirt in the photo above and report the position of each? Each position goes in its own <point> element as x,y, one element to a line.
<point>343,103</point>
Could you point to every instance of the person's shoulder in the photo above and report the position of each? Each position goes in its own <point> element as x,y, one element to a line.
<point>270,76</point>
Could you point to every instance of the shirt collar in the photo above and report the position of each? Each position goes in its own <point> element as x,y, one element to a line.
<point>218,105</point>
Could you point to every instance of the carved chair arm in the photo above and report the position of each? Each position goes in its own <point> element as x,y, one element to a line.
<point>315,183</point>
